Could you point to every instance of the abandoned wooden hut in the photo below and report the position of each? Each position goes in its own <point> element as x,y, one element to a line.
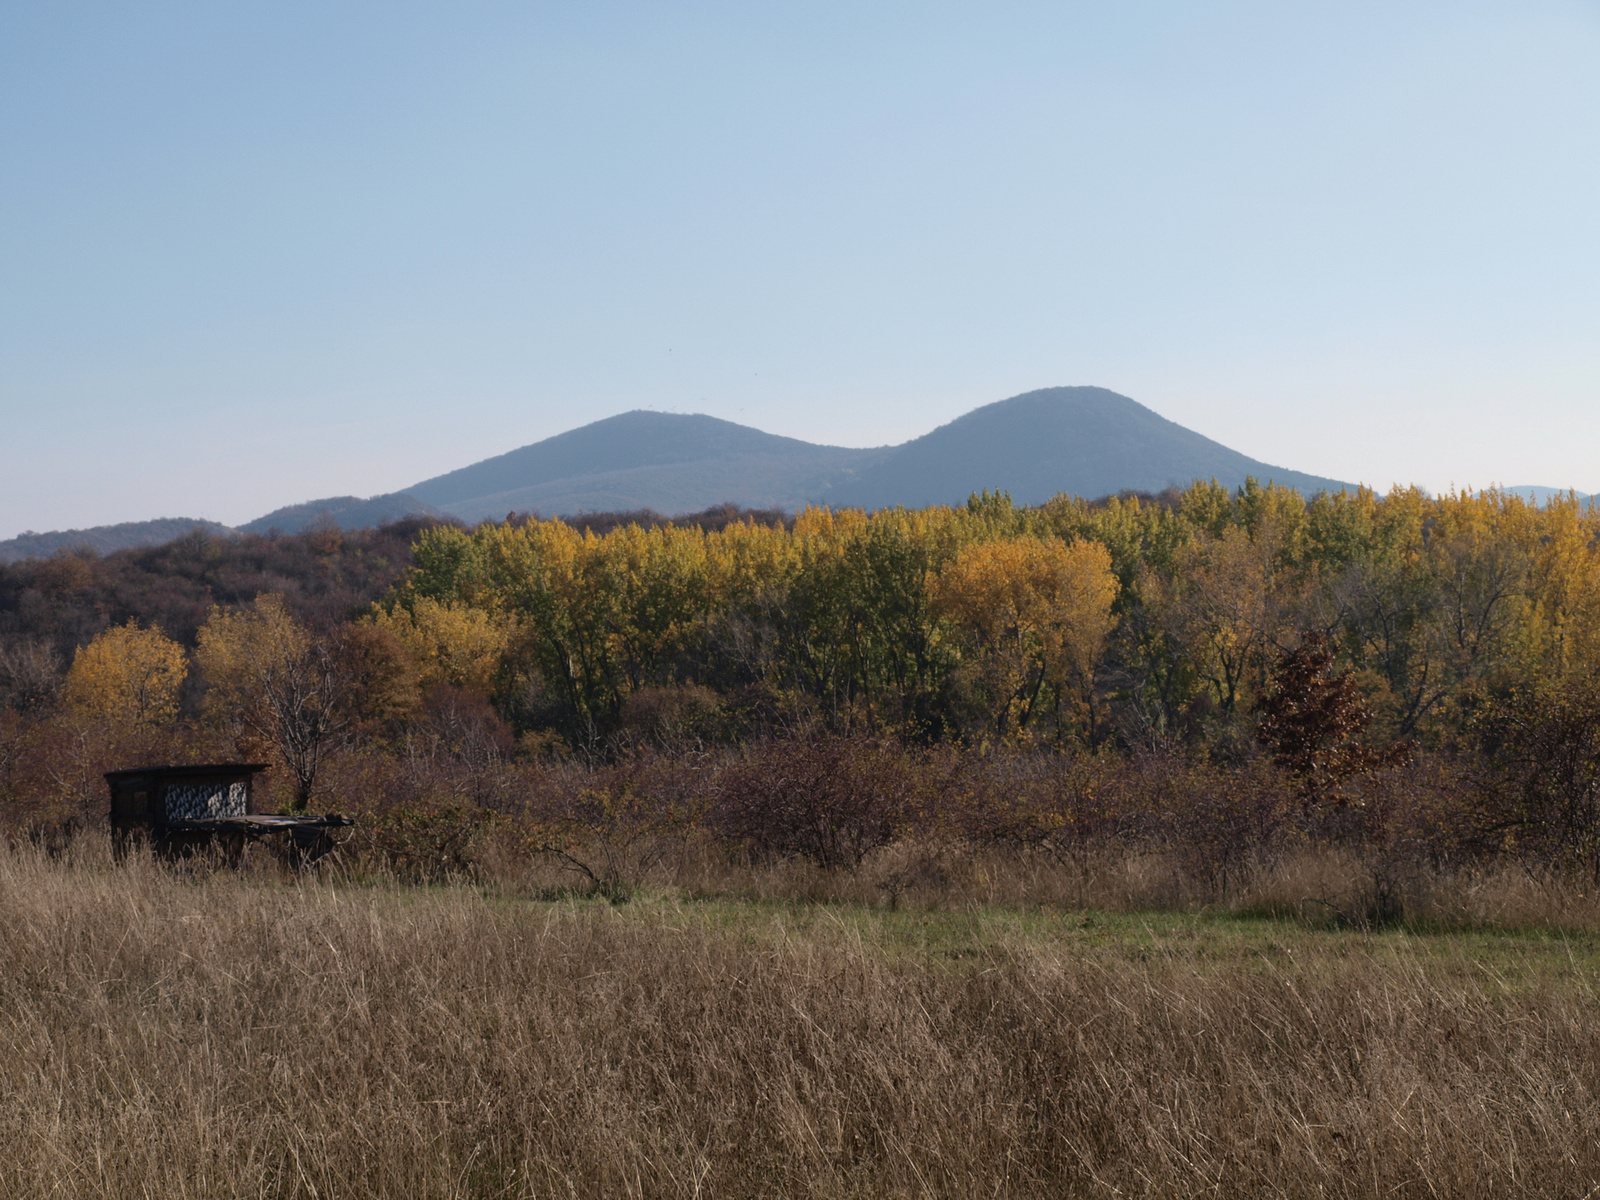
<point>178,810</point>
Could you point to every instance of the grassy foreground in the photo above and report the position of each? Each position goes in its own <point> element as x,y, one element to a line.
<point>242,1035</point>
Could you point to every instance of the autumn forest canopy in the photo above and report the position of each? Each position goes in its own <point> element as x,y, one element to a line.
<point>1352,666</point>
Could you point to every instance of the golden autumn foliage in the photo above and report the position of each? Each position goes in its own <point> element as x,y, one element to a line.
<point>127,675</point>
<point>1070,619</point>
<point>1464,627</point>
<point>449,642</point>
<point>237,649</point>
<point>969,622</point>
<point>1034,613</point>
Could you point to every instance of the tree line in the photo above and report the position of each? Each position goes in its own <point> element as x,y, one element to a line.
<point>1334,638</point>
<point>1134,621</point>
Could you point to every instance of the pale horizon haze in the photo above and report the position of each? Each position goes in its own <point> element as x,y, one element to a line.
<point>255,254</point>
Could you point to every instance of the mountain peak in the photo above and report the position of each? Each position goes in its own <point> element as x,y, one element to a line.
<point>1085,441</point>
<point>674,462</point>
<point>1090,441</point>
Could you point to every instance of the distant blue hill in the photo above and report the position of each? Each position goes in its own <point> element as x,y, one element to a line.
<point>1542,495</point>
<point>343,512</point>
<point>1086,441</point>
<point>669,462</point>
<point>104,539</point>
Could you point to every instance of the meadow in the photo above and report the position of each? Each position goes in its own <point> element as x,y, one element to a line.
<point>183,1032</point>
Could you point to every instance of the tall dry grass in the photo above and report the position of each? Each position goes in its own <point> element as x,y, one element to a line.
<point>1322,886</point>
<point>176,1034</point>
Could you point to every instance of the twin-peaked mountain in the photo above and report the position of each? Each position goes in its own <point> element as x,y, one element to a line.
<point>1084,440</point>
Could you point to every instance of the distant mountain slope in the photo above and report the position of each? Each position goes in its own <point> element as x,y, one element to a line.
<point>1088,441</point>
<point>1543,495</point>
<point>1084,440</point>
<point>103,539</point>
<point>347,512</point>
<point>670,462</point>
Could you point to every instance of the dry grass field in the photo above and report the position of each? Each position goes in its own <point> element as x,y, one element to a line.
<point>192,1034</point>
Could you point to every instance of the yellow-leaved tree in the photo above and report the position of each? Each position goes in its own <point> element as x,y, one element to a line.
<point>127,675</point>
<point>449,642</point>
<point>1033,615</point>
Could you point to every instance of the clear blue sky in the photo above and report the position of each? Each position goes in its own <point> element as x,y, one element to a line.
<point>252,254</point>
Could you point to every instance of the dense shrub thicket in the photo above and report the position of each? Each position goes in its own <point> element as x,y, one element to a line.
<point>1213,673</point>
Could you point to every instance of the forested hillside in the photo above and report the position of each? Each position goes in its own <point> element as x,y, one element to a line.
<point>104,539</point>
<point>51,606</point>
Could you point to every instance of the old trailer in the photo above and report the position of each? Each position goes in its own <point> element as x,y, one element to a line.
<point>178,811</point>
